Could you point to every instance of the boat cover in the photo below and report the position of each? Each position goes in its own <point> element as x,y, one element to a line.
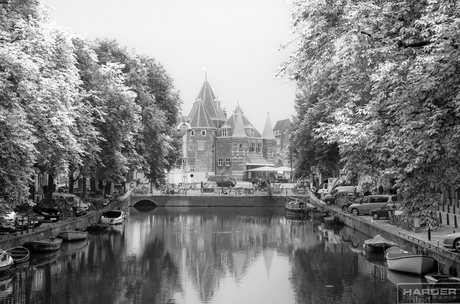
<point>379,241</point>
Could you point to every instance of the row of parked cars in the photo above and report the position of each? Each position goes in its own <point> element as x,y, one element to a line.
<point>33,215</point>
<point>377,206</point>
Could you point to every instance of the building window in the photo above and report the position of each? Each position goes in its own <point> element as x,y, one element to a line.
<point>259,147</point>
<point>227,161</point>
<point>251,132</point>
<point>203,132</point>
<point>220,162</point>
<point>201,145</point>
<point>253,147</point>
<point>224,132</point>
<point>234,146</point>
<point>192,133</point>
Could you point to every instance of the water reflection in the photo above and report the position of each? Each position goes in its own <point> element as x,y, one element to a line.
<point>207,255</point>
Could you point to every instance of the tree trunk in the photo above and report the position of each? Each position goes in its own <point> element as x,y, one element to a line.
<point>50,189</point>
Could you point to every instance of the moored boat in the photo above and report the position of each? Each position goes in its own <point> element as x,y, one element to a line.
<point>112,217</point>
<point>73,235</point>
<point>51,244</point>
<point>297,207</point>
<point>6,261</point>
<point>20,254</point>
<point>436,278</point>
<point>378,244</point>
<point>399,259</point>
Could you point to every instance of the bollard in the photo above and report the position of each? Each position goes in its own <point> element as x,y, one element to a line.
<point>455,221</point>
<point>429,234</point>
<point>447,219</point>
<point>440,218</point>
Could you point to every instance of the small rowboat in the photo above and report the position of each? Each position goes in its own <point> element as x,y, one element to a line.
<point>399,259</point>
<point>378,244</point>
<point>73,235</point>
<point>51,244</point>
<point>112,217</point>
<point>19,254</point>
<point>6,261</point>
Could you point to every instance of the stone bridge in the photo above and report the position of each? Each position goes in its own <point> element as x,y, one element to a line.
<point>207,201</point>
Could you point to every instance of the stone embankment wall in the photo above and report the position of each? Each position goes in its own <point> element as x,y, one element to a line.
<point>448,262</point>
<point>48,230</point>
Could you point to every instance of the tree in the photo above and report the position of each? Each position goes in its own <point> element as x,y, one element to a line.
<point>39,84</point>
<point>392,106</point>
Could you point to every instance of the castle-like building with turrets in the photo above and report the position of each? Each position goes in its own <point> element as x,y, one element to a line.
<point>217,144</point>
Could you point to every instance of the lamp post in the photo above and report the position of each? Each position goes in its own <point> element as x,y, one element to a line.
<point>183,128</point>
<point>222,183</point>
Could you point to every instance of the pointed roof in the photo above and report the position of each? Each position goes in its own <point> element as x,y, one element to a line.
<point>239,131</point>
<point>282,125</point>
<point>199,116</point>
<point>238,120</point>
<point>211,103</point>
<point>268,129</point>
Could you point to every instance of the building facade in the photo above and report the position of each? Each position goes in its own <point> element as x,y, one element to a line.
<point>217,144</point>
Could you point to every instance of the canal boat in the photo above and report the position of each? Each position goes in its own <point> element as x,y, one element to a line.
<point>6,261</point>
<point>112,217</point>
<point>20,254</point>
<point>437,278</point>
<point>378,244</point>
<point>51,244</point>
<point>295,206</point>
<point>399,259</point>
<point>73,235</point>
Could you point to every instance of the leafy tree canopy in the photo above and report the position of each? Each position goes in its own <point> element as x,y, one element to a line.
<point>378,79</point>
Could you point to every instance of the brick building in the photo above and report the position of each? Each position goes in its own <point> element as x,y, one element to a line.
<point>217,144</point>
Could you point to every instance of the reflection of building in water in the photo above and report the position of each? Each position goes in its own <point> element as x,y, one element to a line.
<point>212,249</point>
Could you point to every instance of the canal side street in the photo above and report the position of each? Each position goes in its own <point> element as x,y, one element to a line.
<point>418,242</point>
<point>49,229</point>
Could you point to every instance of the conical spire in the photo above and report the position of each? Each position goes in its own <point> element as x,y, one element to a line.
<point>268,129</point>
<point>239,131</point>
<point>199,116</point>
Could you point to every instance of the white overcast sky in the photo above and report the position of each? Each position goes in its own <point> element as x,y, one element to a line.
<point>236,41</point>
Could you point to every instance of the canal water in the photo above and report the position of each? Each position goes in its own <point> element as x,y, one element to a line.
<point>207,255</point>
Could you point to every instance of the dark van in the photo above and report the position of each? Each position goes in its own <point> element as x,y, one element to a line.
<point>223,180</point>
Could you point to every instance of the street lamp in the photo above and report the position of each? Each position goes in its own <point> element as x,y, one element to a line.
<point>222,183</point>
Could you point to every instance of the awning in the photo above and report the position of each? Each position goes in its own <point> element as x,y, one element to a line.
<point>262,169</point>
<point>258,161</point>
<point>284,169</point>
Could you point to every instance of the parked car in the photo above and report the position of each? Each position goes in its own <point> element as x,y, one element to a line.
<point>24,221</point>
<point>49,211</point>
<point>369,202</point>
<point>227,181</point>
<point>452,241</point>
<point>344,199</point>
<point>78,206</point>
<point>7,213</point>
<point>383,212</point>
<point>331,197</point>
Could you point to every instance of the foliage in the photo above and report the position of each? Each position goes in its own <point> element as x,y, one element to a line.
<point>69,105</point>
<point>383,76</point>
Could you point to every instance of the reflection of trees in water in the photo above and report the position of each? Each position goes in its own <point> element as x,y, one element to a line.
<point>331,276</point>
